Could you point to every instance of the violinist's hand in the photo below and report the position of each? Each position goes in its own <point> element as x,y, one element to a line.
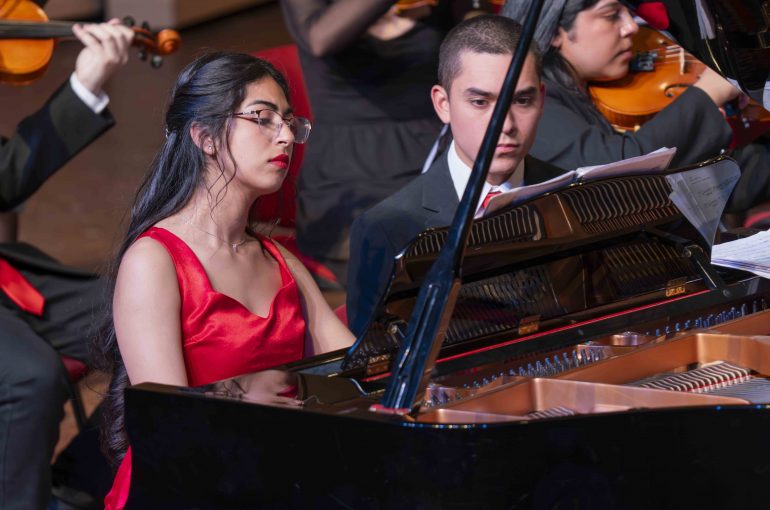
<point>106,51</point>
<point>718,89</point>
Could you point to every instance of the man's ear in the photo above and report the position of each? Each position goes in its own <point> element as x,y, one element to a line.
<point>202,139</point>
<point>440,98</point>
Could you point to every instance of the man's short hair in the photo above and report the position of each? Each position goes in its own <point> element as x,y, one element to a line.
<point>494,35</point>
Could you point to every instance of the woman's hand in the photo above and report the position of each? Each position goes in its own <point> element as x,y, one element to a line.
<point>270,387</point>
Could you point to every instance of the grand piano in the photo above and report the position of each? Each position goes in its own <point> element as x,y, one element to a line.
<point>586,355</point>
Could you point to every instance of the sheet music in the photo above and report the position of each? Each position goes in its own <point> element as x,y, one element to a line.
<point>750,254</point>
<point>655,161</point>
<point>701,194</point>
<point>522,193</point>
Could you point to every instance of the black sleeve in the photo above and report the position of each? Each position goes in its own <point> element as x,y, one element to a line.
<point>322,28</point>
<point>369,270</point>
<point>44,142</point>
<point>692,124</point>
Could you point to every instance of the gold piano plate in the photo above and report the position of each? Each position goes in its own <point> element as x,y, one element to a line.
<point>599,387</point>
<point>517,401</point>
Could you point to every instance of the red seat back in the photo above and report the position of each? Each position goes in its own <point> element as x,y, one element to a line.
<point>283,203</point>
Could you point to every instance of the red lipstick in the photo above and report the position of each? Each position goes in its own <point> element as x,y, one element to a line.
<point>281,160</point>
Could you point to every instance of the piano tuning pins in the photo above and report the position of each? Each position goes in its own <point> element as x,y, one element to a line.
<point>548,367</point>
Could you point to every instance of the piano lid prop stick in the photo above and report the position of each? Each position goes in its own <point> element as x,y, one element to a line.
<point>438,294</point>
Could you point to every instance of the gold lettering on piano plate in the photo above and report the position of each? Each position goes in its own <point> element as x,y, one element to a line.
<point>676,287</point>
<point>529,325</point>
<point>378,364</point>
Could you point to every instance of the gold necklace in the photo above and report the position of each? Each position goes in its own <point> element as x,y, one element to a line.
<point>233,246</point>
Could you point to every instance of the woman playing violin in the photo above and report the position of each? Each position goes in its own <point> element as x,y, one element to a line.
<point>590,40</point>
<point>32,386</point>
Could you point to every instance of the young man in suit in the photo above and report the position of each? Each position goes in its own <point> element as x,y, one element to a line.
<point>473,61</point>
<point>47,308</point>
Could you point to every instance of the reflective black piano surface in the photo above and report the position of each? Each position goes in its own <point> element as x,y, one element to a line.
<point>572,306</point>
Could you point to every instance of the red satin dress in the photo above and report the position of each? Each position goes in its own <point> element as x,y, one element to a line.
<point>221,338</point>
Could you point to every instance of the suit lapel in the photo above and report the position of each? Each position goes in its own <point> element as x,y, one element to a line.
<point>439,197</point>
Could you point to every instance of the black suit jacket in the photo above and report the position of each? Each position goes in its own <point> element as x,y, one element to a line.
<point>42,144</point>
<point>379,234</point>
<point>572,133</point>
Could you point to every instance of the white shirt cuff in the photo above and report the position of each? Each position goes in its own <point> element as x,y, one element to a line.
<point>95,103</point>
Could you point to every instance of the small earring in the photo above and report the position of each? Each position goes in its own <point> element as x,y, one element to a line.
<point>210,149</point>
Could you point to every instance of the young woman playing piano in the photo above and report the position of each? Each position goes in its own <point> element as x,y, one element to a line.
<point>198,296</point>
<point>590,40</point>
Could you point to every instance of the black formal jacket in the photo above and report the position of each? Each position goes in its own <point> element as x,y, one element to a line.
<point>42,144</point>
<point>572,133</point>
<point>379,234</point>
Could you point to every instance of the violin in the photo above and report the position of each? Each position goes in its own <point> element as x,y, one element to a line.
<point>28,38</point>
<point>659,73</point>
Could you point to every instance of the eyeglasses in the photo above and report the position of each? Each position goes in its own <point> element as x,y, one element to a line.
<point>271,123</point>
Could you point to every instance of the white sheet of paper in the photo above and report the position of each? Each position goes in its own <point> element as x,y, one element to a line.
<point>522,193</point>
<point>750,254</point>
<point>701,194</point>
<point>655,161</point>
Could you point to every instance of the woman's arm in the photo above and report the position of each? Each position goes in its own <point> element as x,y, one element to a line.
<point>146,312</point>
<point>569,137</point>
<point>323,29</point>
<point>325,330</point>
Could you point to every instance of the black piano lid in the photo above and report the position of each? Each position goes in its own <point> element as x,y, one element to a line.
<point>511,250</point>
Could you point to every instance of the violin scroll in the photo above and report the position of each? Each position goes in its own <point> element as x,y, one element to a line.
<point>165,42</point>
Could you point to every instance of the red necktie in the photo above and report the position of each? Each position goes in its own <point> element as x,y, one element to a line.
<point>487,198</point>
<point>20,290</point>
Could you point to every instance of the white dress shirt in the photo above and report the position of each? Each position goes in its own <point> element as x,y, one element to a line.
<point>95,103</point>
<point>461,173</point>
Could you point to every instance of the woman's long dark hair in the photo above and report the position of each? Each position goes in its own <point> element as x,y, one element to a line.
<point>556,14</point>
<point>206,92</point>
<point>555,67</point>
